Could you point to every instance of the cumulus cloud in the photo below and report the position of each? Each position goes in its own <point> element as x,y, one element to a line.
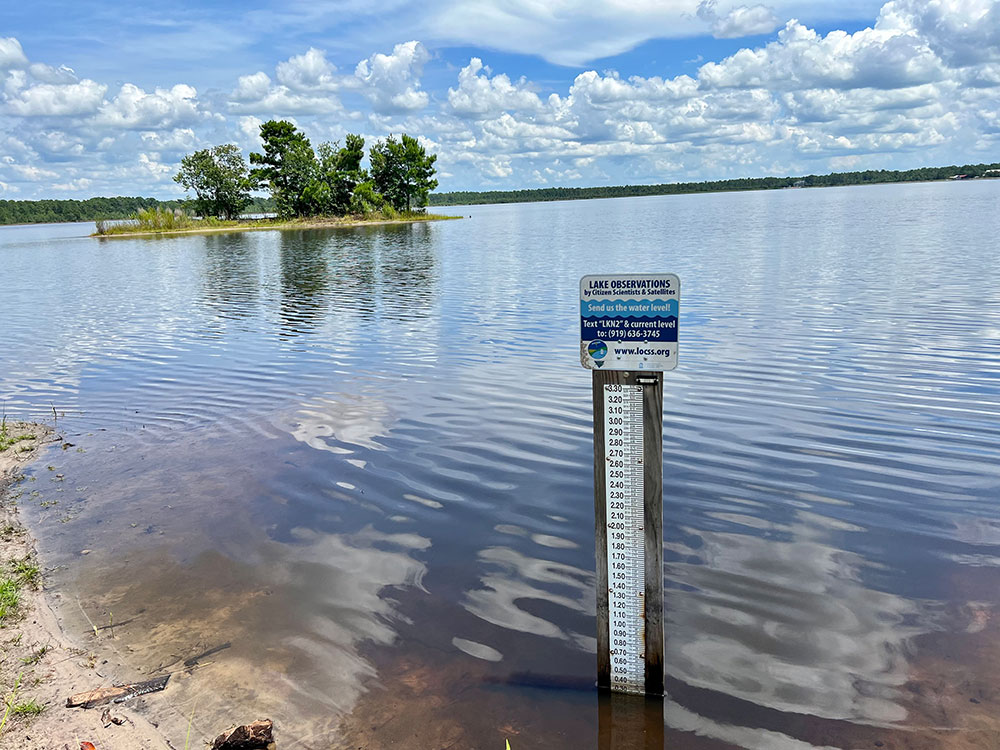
<point>801,58</point>
<point>252,88</point>
<point>49,99</point>
<point>740,21</point>
<point>305,85</point>
<point>177,141</point>
<point>920,85</point>
<point>136,109</point>
<point>49,74</point>
<point>30,173</point>
<point>962,32</point>
<point>392,82</point>
<point>481,96</point>
<point>11,54</point>
<point>310,71</point>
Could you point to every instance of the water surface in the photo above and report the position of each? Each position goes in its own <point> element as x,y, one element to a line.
<point>355,466</point>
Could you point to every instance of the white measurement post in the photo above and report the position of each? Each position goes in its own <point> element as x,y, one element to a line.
<point>624,503</point>
<point>628,337</point>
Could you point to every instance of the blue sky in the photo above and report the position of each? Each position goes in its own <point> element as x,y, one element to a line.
<point>103,98</point>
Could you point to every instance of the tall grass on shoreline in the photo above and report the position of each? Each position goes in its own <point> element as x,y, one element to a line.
<point>156,221</point>
<point>150,220</point>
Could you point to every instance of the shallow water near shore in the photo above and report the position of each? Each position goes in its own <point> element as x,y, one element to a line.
<point>342,478</point>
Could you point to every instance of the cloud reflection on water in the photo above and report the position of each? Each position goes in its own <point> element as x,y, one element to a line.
<point>788,624</point>
<point>299,617</point>
<point>513,578</point>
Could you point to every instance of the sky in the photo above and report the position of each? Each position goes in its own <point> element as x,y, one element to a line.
<point>105,98</point>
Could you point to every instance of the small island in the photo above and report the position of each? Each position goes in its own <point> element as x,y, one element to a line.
<point>321,187</point>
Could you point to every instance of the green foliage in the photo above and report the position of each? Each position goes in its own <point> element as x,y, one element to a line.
<point>35,656</point>
<point>30,707</point>
<point>220,179</point>
<point>18,574</point>
<point>286,168</point>
<point>7,438</point>
<point>10,597</point>
<point>366,200</point>
<point>403,172</point>
<point>9,700</point>
<point>340,173</point>
<point>154,220</point>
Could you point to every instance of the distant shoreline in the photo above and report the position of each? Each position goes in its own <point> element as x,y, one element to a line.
<point>275,224</point>
<point>16,213</point>
<point>746,184</point>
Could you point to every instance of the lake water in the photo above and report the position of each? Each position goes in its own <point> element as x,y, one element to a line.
<point>356,467</point>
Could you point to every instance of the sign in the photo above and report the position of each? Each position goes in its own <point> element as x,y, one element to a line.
<point>629,321</point>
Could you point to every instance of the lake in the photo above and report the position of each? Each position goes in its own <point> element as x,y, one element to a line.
<point>343,478</point>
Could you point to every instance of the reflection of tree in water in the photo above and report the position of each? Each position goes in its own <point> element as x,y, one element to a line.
<point>387,271</point>
<point>408,271</point>
<point>356,271</point>
<point>370,273</point>
<point>305,282</point>
<point>231,277</point>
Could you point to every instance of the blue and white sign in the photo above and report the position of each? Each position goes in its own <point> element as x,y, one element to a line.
<point>629,321</point>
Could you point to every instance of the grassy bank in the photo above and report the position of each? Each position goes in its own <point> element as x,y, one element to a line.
<point>19,576</point>
<point>158,222</point>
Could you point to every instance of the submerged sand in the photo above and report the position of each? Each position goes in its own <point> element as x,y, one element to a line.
<point>39,657</point>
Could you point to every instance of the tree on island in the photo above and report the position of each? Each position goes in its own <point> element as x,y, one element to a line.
<point>402,172</point>
<point>329,181</point>
<point>220,179</point>
<point>338,174</point>
<point>286,168</point>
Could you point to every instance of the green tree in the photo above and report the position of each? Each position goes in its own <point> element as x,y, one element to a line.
<point>220,179</point>
<point>402,172</point>
<point>339,173</point>
<point>287,167</point>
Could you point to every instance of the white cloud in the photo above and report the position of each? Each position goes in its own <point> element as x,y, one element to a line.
<point>249,132</point>
<point>134,108</point>
<point>48,74</point>
<point>31,173</point>
<point>255,93</point>
<point>11,54</point>
<point>481,96</point>
<point>74,186</point>
<point>392,82</point>
<point>252,88</point>
<point>739,21</point>
<point>310,71</point>
<point>801,58</point>
<point>920,86</point>
<point>47,99</point>
<point>962,32</point>
<point>178,140</point>
<point>58,145</point>
<point>746,21</point>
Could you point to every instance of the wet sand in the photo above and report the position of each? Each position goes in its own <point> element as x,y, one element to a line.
<point>50,665</point>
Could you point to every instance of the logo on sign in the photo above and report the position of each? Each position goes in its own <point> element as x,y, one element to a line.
<point>597,349</point>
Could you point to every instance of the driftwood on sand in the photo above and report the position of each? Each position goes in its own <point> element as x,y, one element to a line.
<point>116,693</point>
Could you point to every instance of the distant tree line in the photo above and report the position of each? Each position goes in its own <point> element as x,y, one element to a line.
<point>869,177</point>
<point>92,209</point>
<point>302,181</point>
<point>327,184</point>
